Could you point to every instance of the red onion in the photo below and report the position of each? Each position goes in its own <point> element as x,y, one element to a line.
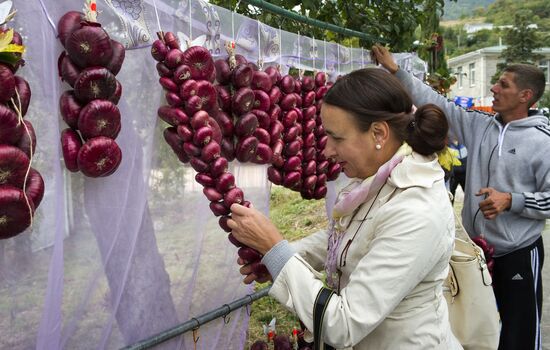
<point>10,127</point>
<point>274,74</point>
<point>168,84</point>
<point>119,53</point>
<point>173,58</point>
<point>224,98</point>
<point>320,79</point>
<point>70,108</point>
<point>34,188</point>
<point>207,93</point>
<point>67,70</point>
<point>159,50</point>
<point>89,46</point>
<point>212,194</point>
<point>263,154</point>
<point>198,164</point>
<point>199,61</point>
<point>205,180</point>
<point>246,149</point>
<point>27,142</point>
<point>173,116</point>
<point>188,89</point>
<point>261,100</point>
<point>163,70</point>
<point>223,223</point>
<point>7,83</point>
<point>218,167</point>
<point>184,132</point>
<point>242,76</point>
<point>175,142</point>
<point>68,23</point>
<point>248,254</point>
<point>174,100</point>
<point>274,175</point>
<point>264,120</point>
<point>13,166</point>
<point>287,84</point>
<point>117,94</point>
<point>14,211</point>
<point>70,145</point>
<point>182,73</point>
<point>171,40</point>
<point>223,72</point>
<point>234,195</point>
<point>94,83</point>
<point>246,125</point>
<point>243,101</point>
<point>99,156</point>
<point>22,97</point>
<point>225,182</point>
<point>99,118</point>
<point>261,81</point>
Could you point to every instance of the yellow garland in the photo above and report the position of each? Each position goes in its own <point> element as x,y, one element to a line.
<point>448,158</point>
<point>5,40</point>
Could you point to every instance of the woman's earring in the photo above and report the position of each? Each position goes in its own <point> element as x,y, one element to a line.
<point>378,146</point>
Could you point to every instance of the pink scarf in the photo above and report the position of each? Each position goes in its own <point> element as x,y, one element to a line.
<point>349,199</point>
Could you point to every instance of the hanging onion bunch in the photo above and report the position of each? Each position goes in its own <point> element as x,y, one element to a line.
<point>21,186</point>
<point>194,135</point>
<point>298,162</point>
<point>89,65</point>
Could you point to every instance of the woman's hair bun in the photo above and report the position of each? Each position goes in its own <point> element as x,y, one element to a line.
<point>429,130</point>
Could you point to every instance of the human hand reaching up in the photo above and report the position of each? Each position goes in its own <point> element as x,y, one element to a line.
<point>381,55</point>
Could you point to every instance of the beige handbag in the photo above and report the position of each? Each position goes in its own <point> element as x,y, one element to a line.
<point>472,306</point>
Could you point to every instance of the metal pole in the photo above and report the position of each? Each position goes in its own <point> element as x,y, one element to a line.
<point>313,22</point>
<point>198,321</point>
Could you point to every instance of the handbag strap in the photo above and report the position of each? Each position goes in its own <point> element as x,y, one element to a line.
<point>319,308</point>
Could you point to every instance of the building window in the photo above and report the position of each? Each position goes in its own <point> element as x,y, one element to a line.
<point>459,77</point>
<point>472,74</point>
<point>545,66</point>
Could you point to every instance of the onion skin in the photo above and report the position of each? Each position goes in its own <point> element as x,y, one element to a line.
<point>89,46</point>
<point>68,71</point>
<point>242,76</point>
<point>99,157</point>
<point>94,83</point>
<point>159,50</point>
<point>117,94</point>
<point>200,62</point>
<point>7,83</point>
<point>119,53</point>
<point>173,116</point>
<point>70,108</point>
<point>71,143</point>
<point>14,211</point>
<point>10,128</point>
<point>34,188</point>
<point>27,142</point>
<point>223,72</point>
<point>24,91</point>
<point>99,118</point>
<point>13,166</point>
<point>67,24</point>
<point>243,101</point>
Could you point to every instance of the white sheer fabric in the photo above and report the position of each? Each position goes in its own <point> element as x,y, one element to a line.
<point>111,261</point>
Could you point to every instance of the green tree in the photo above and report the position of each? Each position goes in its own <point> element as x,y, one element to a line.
<point>521,41</point>
<point>393,20</point>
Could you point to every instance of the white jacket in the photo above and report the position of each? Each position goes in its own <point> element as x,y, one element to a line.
<point>391,296</point>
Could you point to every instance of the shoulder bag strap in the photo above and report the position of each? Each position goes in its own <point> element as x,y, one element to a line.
<point>321,303</point>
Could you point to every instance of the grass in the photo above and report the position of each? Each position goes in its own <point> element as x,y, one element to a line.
<point>295,218</point>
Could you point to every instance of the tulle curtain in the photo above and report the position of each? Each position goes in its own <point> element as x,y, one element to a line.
<point>113,260</point>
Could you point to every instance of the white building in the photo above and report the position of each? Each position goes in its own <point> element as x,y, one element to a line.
<point>475,69</point>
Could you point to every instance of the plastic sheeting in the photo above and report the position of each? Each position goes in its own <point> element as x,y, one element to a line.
<point>113,260</point>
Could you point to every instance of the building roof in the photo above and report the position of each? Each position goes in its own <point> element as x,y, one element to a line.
<point>489,51</point>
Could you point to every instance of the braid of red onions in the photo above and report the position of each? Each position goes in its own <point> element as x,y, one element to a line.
<point>21,186</point>
<point>89,65</point>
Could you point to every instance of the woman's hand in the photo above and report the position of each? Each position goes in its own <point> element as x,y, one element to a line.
<point>252,228</point>
<point>246,270</point>
<point>382,55</point>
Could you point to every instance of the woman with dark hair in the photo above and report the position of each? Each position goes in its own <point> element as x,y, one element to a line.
<point>387,248</point>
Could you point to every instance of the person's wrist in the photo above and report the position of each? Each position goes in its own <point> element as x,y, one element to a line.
<point>509,197</point>
<point>393,69</point>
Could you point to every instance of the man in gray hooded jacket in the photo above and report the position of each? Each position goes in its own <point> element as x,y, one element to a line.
<point>507,194</point>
